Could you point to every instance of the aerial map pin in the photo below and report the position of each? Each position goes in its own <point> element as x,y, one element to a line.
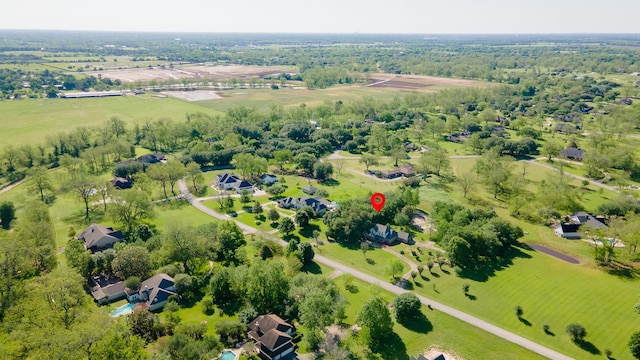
<point>377,201</point>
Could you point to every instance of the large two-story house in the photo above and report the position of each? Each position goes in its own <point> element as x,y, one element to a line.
<point>386,235</point>
<point>319,205</point>
<point>273,337</point>
<point>154,291</point>
<point>226,181</point>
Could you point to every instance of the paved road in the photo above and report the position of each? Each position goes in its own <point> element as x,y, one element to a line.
<point>184,190</point>
<point>604,186</point>
<point>472,320</point>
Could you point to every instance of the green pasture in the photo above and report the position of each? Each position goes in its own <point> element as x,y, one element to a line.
<point>439,330</point>
<point>31,121</point>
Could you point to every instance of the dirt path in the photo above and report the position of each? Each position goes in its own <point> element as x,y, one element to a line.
<point>10,186</point>
<point>435,305</point>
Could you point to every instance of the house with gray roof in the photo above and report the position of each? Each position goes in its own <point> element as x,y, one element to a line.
<point>386,235</point>
<point>273,337</point>
<point>227,181</point>
<point>97,237</point>
<point>154,291</point>
<point>106,289</point>
<point>572,153</point>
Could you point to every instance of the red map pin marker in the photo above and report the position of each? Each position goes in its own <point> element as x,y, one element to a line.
<point>377,201</point>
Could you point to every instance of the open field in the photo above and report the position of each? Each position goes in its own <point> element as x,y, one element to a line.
<point>412,82</point>
<point>195,72</point>
<point>439,330</point>
<point>30,121</point>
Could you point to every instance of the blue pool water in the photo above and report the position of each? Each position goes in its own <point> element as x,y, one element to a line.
<point>123,310</point>
<point>227,355</point>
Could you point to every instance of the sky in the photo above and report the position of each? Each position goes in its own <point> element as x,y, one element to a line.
<point>328,16</point>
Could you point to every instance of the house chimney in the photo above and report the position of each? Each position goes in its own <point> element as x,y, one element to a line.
<point>92,228</point>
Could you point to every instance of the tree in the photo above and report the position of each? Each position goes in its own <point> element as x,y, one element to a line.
<point>317,301</point>
<point>283,157</point>
<point>551,148</point>
<point>459,251</point>
<point>286,226</point>
<point>364,247</point>
<point>275,190</point>
<point>306,250</point>
<point>39,182</point>
<point>132,261</point>
<point>265,286</point>
<point>322,170</point>
<point>397,154</point>
<point>634,344</point>
<point>306,162</point>
<point>221,285</point>
<point>84,187</point>
<point>467,181</point>
<point>394,268</point>
<point>78,257</point>
<point>577,332</point>
<point>183,244</point>
<point>304,216</point>
<point>133,283</point>
<point>434,161</point>
<point>245,196</point>
<point>145,324</point>
<point>158,172</point>
<point>495,170</point>
<point>175,171</point>
<point>7,214</point>
<point>195,174</point>
<point>376,317</point>
<point>369,160</point>
<point>273,215</point>
<point>129,207</point>
<point>257,208</point>
<point>406,307</point>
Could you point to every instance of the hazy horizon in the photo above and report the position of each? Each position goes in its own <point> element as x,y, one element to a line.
<point>456,17</point>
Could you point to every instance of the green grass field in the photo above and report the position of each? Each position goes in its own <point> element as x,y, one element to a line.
<point>30,121</point>
<point>440,331</point>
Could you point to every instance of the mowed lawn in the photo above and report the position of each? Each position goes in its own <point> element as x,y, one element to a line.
<point>31,121</point>
<point>440,330</point>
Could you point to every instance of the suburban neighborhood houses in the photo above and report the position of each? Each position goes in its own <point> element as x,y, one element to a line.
<point>227,181</point>
<point>273,337</point>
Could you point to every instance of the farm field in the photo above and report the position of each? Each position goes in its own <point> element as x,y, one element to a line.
<point>30,121</point>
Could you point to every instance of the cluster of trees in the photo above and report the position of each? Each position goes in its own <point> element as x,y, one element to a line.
<point>353,218</point>
<point>473,238</point>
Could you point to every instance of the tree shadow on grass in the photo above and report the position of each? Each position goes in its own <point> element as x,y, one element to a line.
<point>312,268</point>
<point>391,348</point>
<point>420,324</point>
<point>231,308</point>
<point>588,346</point>
<point>485,270</point>
<point>424,278</point>
<point>471,297</point>
<point>621,270</point>
<point>370,261</point>
<point>524,321</point>
<point>331,182</point>
<point>307,231</point>
<point>435,275</point>
<point>418,284</point>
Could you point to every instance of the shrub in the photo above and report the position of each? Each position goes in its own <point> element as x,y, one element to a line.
<point>207,306</point>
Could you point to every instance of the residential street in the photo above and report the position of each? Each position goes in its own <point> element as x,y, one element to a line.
<point>495,330</point>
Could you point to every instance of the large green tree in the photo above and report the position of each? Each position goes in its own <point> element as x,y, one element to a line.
<point>375,315</point>
<point>130,207</point>
<point>406,307</point>
<point>132,261</point>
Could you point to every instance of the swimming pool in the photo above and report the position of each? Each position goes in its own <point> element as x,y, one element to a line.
<point>227,355</point>
<point>123,310</point>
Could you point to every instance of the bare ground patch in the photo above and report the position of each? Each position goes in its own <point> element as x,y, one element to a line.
<point>416,81</point>
<point>195,72</point>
